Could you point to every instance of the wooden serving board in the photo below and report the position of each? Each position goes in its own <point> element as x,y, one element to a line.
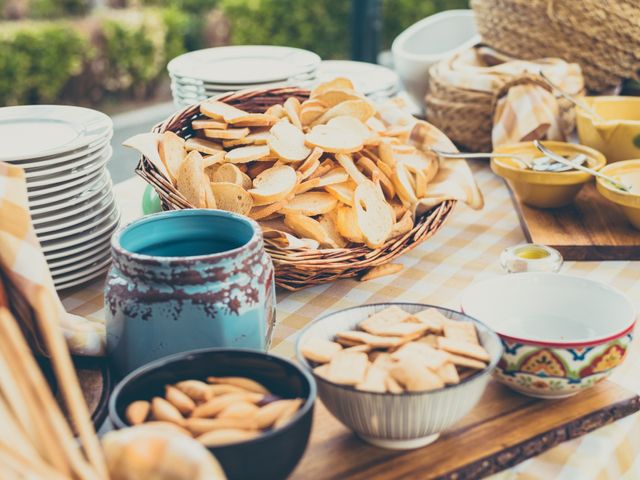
<point>591,229</point>
<point>504,429</point>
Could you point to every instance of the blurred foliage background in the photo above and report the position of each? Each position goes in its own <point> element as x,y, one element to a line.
<point>72,51</point>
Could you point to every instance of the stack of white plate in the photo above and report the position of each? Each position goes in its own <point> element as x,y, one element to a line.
<point>63,151</point>
<point>375,81</point>
<point>201,74</point>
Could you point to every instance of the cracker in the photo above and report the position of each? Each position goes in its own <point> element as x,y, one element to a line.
<point>360,109</point>
<point>247,154</point>
<point>171,149</point>
<point>432,318</point>
<point>374,380</point>
<point>256,137</point>
<point>382,271</point>
<point>320,350</point>
<point>415,378</point>
<point>422,354</point>
<point>191,180</point>
<point>226,134</point>
<point>292,109</point>
<point>322,371</point>
<point>388,316</point>
<point>342,192</point>
<point>462,361</point>
<point>202,145</point>
<point>253,120</point>
<point>232,197</point>
<point>208,123</point>
<point>466,349</point>
<point>348,368</point>
<point>460,330</point>
<point>307,227</point>
<point>273,185</point>
<point>393,386</point>
<point>374,341</point>
<point>333,140</point>
<point>288,142</point>
<point>220,111</point>
<point>448,374</point>
<point>310,204</point>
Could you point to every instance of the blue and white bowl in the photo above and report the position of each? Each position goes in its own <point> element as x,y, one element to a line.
<point>398,421</point>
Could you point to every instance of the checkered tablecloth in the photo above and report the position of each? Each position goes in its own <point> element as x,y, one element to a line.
<point>465,250</point>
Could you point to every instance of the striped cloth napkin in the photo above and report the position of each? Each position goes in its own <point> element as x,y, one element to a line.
<point>24,270</point>
<point>525,108</point>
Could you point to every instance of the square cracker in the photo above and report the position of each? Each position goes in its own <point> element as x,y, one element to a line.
<point>374,380</point>
<point>382,319</point>
<point>432,318</point>
<point>466,349</point>
<point>374,341</point>
<point>320,350</point>
<point>463,331</point>
<point>422,354</point>
<point>348,368</point>
<point>416,378</point>
<point>466,362</point>
<point>448,373</point>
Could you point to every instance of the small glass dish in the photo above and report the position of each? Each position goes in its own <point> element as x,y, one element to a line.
<point>530,257</point>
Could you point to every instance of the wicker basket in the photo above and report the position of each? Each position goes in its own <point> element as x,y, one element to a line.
<point>600,36</point>
<point>295,268</point>
<point>466,116</point>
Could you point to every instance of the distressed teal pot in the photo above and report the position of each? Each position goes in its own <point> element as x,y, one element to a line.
<point>187,279</point>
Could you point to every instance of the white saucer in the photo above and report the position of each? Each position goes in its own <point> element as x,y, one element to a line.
<point>91,251</point>
<point>56,160</point>
<point>80,250</point>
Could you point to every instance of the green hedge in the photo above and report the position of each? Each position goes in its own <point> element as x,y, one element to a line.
<point>37,60</point>
<point>115,52</point>
<point>321,26</point>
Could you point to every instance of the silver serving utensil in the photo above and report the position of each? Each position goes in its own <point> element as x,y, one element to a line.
<point>595,173</point>
<point>543,164</point>
<point>522,160</point>
<point>576,101</point>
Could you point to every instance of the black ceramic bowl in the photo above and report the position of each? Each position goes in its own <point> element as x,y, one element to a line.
<point>272,455</point>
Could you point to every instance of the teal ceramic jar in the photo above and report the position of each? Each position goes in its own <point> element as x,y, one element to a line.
<point>187,279</point>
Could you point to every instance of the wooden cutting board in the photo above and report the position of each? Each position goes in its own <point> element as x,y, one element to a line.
<point>504,429</point>
<point>590,229</point>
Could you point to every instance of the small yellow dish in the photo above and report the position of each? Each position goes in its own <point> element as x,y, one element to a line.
<point>619,137</point>
<point>545,189</point>
<point>628,173</point>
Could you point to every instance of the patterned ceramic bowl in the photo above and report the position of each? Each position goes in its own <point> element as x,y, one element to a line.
<point>561,334</point>
<point>398,421</point>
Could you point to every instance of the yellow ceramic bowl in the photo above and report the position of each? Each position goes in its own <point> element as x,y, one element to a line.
<point>545,189</point>
<point>619,137</point>
<point>628,173</point>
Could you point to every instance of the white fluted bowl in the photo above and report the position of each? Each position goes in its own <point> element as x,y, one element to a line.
<point>398,421</point>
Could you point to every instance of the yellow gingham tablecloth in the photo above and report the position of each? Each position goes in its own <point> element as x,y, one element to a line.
<point>465,250</point>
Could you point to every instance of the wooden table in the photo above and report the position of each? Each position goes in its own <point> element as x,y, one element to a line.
<point>465,250</point>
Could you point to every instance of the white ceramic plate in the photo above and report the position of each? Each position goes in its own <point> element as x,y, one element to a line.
<point>549,307</point>
<point>80,263</point>
<point>85,170</point>
<point>366,77</point>
<point>58,160</point>
<point>40,196</point>
<point>33,131</point>
<point>192,84</point>
<point>80,191</point>
<point>81,281</point>
<point>107,225</point>
<point>94,266</point>
<point>81,250</point>
<point>99,211</point>
<point>66,163</point>
<point>79,229</point>
<point>91,252</point>
<point>92,203</point>
<point>244,64</point>
<point>62,171</point>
